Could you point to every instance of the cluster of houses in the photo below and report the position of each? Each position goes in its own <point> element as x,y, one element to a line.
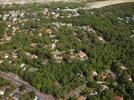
<point>6,55</point>
<point>16,19</point>
<point>105,75</point>
<point>10,19</point>
<point>126,19</point>
<point>104,85</point>
<point>15,94</point>
<point>115,98</point>
<point>67,12</point>
<point>58,56</point>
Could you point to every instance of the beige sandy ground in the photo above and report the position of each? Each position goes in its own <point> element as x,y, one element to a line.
<point>31,1</point>
<point>89,5</point>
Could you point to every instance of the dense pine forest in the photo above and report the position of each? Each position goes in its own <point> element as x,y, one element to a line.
<point>70,53</point>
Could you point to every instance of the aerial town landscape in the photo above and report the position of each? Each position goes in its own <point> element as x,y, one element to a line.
<point>67,50</point>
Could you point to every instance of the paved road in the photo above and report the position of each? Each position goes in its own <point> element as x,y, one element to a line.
<point>18,81</point>
<point>100,4</point>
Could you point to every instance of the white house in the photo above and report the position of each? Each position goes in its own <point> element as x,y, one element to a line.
<point>1,92</point>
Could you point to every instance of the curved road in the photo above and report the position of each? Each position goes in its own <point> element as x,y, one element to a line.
<point>18,81</point>
<point>100,4</point>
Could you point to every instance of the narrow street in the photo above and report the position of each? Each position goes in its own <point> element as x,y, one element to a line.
<point>18,81</point>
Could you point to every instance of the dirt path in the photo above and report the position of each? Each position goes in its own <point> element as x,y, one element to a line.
<point>18,81</point>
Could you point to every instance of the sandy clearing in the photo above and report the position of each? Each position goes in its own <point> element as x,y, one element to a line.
<point>32,1</point>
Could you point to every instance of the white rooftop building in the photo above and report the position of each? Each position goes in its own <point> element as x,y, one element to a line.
<point>1,92</point>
